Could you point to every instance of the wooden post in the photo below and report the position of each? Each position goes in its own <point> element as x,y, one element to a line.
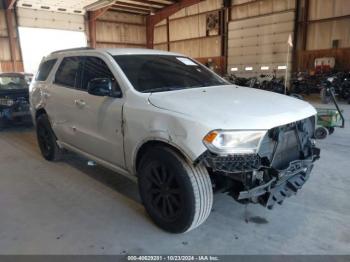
<point>92,30</point>
<point>296,36</point>
<point>11,36</point>
<point>305,24</point>
<point>92,17</point>
<point>10,4</point>
<point>168,32</point>
<point>150,32</point>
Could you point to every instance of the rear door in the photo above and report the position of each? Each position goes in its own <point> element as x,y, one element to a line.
<point>61,96</point>
<point>98,120</point>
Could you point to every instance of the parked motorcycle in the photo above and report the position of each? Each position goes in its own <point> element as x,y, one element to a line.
<point>240,81</point>
<point>340,84</point>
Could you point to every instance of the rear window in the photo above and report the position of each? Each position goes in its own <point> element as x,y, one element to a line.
<point>45,69</point>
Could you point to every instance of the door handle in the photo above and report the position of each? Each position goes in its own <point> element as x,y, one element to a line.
<point>80,103</point>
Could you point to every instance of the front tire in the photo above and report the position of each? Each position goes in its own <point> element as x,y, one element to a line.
<point>47,140</point>
<point>177,195</point>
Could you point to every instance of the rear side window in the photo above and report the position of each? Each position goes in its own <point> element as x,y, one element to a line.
<point>45,69</point>
<point>68,73</point>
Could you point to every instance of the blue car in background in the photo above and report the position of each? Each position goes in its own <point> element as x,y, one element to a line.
<point>14,99</point>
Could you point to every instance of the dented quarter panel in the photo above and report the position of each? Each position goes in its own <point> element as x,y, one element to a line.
<point>144,122</point>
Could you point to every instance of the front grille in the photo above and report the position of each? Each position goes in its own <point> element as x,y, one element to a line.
<point>287,143</point>
<point>23,100</point>
<point>287,150</point>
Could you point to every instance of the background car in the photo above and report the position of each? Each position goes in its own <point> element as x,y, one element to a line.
<point>14,99</point>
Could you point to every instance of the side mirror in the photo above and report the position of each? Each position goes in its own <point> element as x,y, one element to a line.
<point>103,87</point>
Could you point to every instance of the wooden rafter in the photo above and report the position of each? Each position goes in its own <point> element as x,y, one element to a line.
<point>131,9</point>
<point>170,10</point>
<point>125,4</point>
<point>164,13</point>
<point>156,10</point>
<point>151,3</point>
<point>10,4</point>
<point>11,35</point>
<point>148,6</point>
<point>93,15</point>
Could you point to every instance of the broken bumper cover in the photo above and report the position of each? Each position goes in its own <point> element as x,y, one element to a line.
<point>231,164</point>
<point>281,183</point>
<point>285,184</point>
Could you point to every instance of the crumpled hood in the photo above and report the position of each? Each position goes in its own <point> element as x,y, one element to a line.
<point>233,107</point>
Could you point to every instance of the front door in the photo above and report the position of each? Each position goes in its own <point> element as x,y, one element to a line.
<point>97,119</point>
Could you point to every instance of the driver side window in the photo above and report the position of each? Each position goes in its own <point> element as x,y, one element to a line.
<point>95,68</point>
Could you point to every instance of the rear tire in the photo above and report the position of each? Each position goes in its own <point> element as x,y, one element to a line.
<point>47,140</point>
<point>177,195</point>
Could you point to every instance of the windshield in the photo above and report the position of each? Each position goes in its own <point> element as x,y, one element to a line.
<point>12,82</point>
<point>157,73</point>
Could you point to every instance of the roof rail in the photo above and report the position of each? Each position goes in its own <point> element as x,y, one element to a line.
<point>72,49</point>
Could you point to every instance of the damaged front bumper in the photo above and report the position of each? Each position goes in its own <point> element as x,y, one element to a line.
<point>18,111</point>
<point>262,184</point>
<point>283,183</point>
<point>280,167</point>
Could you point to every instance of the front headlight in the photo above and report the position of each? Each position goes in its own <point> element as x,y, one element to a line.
<point>6,102</point>
<point>233,142</point>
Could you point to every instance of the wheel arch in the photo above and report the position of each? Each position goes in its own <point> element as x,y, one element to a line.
<point>39,112</point>
<point>146,145</point>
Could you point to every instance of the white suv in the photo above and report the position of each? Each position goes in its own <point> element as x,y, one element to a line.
<point>173,125</point>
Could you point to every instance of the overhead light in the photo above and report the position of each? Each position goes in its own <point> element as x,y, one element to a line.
<point>234,69</point>
<point>249,68</point>
<point>282,67</point>
<point>98,5</point>
<point>265,68</point>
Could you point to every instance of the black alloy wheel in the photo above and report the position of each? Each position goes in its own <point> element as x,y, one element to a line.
<point>164,191</point>
<point>177,195</point>
<point>47,139</point>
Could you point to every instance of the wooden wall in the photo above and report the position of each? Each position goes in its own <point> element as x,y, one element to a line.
<point>322,33</point>
<point>6,64</point>
<point>325,21</point>
<point>342,55</point>
<point>118,30</point>
<point>185,32</point>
